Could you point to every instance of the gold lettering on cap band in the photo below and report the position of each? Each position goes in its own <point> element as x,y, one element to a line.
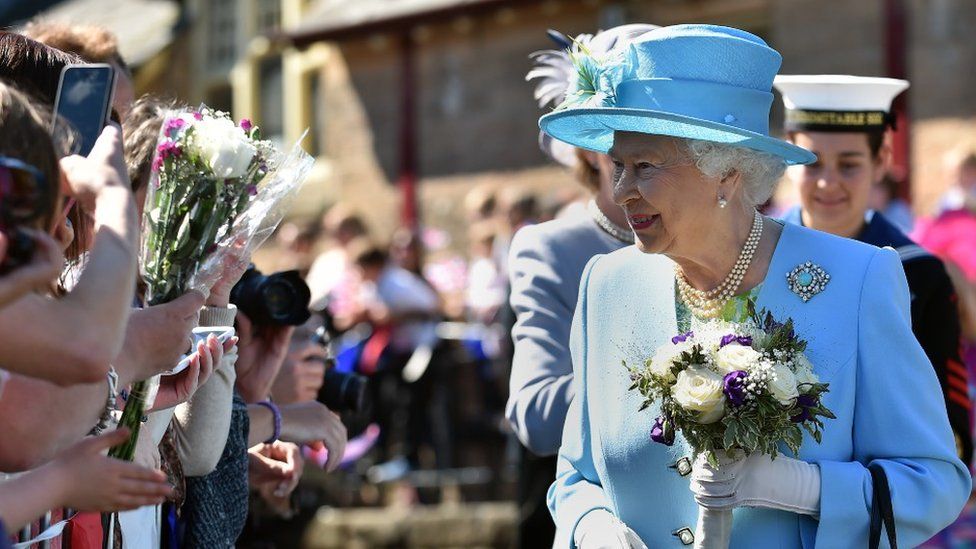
<point>798,119</point>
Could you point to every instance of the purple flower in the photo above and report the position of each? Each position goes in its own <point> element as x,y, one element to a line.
<point>252,190</point>
<point>681,338</point>
<point>662,432</point>
<point>172,126</point>
<point>745,341</point>
<point>735,387</point>
<point>197,115</point>
<point>246,125</point>
<point>805,402</point>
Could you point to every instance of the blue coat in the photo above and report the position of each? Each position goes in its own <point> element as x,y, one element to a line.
<point>887,400</point>
<point>545,264</point>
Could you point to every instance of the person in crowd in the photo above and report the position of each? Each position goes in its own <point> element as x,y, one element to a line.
<point>79,476</point>
<point>481,203</point>
<point>689,176</point>
<point>330,275</point>
<point>834,196</point>
<point>960,165</point>
<point>296,242</point>
<point>93,44</point>
<point>486,290</point>
<point>546,262</point>
<point>302,372</point>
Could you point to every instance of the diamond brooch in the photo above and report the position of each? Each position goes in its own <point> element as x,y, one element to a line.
<point>807,280</point>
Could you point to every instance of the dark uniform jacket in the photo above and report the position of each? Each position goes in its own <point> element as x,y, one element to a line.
<point>935,319</point>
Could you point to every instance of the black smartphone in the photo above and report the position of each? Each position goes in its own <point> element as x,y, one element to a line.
<point>84,102</point>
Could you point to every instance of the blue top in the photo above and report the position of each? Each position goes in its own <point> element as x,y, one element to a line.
<point>882,389</point>
<point>545,266</point>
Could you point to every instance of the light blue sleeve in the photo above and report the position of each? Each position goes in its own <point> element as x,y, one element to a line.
<point>577,488</point>
<point>900,422</point>
<point>540,386</point>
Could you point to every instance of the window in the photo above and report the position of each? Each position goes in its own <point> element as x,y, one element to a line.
<point>271,99</point>
<point>221,34</point>
<point>316,110</point>
<point>269,15</point>
<point>220,97</point>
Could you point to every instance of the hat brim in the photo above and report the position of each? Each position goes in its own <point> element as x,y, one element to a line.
<point>592,129</point>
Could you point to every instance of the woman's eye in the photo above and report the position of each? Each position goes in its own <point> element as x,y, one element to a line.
<point>642,166</point>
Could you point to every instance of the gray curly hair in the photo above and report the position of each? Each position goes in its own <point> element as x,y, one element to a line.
<point>760,171</point>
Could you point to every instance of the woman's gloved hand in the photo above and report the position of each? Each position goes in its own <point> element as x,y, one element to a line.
<point>599,529</point>
<point>783,483</point>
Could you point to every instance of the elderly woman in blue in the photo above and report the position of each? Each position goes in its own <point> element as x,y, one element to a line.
<point>686,124</point>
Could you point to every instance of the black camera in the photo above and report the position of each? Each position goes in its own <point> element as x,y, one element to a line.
<point>278,299</point>
<point>340,392</point>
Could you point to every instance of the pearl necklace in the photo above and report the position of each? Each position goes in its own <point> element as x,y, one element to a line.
<point>609,227</point>
<point>709,303</point>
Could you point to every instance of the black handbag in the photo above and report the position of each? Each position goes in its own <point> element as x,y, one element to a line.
<point>882,513</point>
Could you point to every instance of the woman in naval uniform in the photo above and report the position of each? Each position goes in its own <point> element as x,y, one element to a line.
<point>687,125</point>
<point>843,120</point>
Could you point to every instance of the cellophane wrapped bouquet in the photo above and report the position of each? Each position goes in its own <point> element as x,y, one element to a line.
<point>734,386</point>
<point>216,189</point>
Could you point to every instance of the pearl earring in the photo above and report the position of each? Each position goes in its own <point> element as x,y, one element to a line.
<point>722,202</point>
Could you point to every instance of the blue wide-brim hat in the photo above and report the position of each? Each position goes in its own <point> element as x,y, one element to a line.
<point>702,82</point>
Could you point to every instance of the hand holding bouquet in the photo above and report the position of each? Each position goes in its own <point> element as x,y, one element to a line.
<point>733,391</point>
<point>215,193</point>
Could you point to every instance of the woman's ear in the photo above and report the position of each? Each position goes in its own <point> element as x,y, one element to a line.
<point>4,241</point>
<point>729,183</point>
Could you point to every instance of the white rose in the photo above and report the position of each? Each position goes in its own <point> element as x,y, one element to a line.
<point>735,357</point>
<point>700,390</point>
<point>664,358</point>
<point>224,147</point>
<point>804,372</point>
<point>783,387</point>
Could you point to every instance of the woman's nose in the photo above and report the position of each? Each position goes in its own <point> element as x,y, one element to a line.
<point>624,189</point>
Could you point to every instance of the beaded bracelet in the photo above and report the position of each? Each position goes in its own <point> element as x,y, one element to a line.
<point>277,419</point>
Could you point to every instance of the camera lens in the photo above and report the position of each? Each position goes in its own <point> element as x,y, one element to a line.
<point>281,299</point>
<point>277,299</point>
<point>343,392</point>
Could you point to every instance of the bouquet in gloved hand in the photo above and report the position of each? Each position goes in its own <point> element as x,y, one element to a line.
<point>734,387</point>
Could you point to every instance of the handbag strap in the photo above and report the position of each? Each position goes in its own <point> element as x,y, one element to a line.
<point>882,512</point>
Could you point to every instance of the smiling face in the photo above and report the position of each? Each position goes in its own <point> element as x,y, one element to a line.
<point>834,190</point>
<point>669,203</point>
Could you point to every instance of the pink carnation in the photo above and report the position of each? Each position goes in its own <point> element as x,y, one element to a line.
<point>246,124</point>
<point>172,126</point>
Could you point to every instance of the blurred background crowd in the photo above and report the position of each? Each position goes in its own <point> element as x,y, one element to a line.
<point>427,163</point>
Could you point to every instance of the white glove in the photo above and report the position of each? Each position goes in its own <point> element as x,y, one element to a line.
<point>599,529</point>
<point>783,483</point>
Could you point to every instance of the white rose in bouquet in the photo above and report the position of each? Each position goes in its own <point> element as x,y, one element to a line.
<point>700,390</point>
<point>224,147</point>
<point>735,357</point>
<point>804,372</point>
<point>664,358</point>
<point>782,384</point>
